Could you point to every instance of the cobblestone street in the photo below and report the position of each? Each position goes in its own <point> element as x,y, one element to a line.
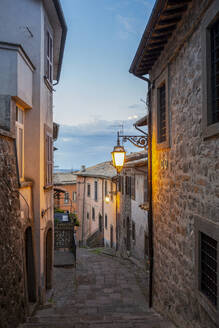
<point>103,291</point>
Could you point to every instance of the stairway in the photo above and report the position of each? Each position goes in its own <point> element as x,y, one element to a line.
<point>95,240</point>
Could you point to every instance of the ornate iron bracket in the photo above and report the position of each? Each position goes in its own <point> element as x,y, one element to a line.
<point>138,141</point>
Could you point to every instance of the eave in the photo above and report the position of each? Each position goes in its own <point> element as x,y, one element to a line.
<point>163,21</point>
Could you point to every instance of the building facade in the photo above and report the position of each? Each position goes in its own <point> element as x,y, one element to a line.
<point>96,205</point>
<point>132,222</point>
<point>31,50</point>
<point>179,51</point>
<point>67,200</point>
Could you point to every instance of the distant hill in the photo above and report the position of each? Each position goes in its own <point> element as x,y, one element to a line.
<point>57,170</point>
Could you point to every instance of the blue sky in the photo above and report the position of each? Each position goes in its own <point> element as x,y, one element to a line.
<point>96,92</point>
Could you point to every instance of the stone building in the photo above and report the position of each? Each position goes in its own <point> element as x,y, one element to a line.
<point>32,39</point>
<point>132,221</point>
<point>67,182</point>
<point>179,55</point>
<point>96,205</point>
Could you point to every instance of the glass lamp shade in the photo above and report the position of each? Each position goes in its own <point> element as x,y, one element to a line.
<point>118,156</point>
<point>107,199</point>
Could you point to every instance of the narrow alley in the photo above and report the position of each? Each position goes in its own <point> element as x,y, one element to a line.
<point>104,291</point>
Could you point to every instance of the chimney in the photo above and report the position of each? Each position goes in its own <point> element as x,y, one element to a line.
<point>83,168</point>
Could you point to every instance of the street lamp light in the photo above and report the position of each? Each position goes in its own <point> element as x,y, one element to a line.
<point>118,155</point>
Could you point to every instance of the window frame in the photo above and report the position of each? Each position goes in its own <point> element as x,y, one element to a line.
<point>96,190</point>
<point>106,222</point>
<point>49,57</point>
<point>74,196</point>
<point>211,229</point>
<point>162,80</point>
<point>93,213</point>
<point>211,16</point>
<point>88,190</point>
<point>66,199</point>
<point>20,126</point>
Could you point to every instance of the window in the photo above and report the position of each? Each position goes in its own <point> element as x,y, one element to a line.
<point>213,113</point>
<point>93,213</point>
<point>49,58</point>
<point>88,215</point>
<point>122,184</point>
<point>20,140</point>
<point>106,192</point>
<point>106,221</point>
<point>162,114</point>
<point>48,156</point>
<point>210,61</point>
<point>133,231</point>
<point>74,196</point>
<point>133,187</point>
<point>162,109</point>
<point>95,191</point>
<point>208,267</point>
<point>88,190</point>
<point>66,198</point>
<point>128,185</point>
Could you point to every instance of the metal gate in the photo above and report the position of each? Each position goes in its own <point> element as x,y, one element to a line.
<point>64,236</point>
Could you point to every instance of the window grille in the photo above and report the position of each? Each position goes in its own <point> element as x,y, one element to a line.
<point>213,116</point>
<point>208,267</point>
<point>162,114</point>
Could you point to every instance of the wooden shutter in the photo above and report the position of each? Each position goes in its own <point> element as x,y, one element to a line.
<point>132,179</point>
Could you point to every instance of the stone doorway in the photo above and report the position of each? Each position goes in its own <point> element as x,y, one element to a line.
<point>30,266</point>
<point>111,236</point>
<point>49,249</point>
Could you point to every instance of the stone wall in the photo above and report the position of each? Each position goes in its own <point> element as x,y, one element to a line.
<point>187,188</point>
<point>12,298</point>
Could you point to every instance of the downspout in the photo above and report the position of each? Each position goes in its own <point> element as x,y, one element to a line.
<point>150,211</point>
<point>82,232</point>
<point>103,207</point>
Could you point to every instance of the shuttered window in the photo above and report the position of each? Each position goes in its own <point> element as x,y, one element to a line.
<point>48,156</point>
<point>133,187</point>
<point>49,58</point>
<point>128,185</point>
<point>95,191</point>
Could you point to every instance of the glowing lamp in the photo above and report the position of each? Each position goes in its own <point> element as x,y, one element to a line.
<point>107,199</point>
<point>118,156</point>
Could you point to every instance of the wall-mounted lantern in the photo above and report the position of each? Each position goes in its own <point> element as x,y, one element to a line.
<point>118,156</point>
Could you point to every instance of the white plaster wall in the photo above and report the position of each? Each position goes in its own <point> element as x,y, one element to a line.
<point>140,218</point>
<point>110,210</point>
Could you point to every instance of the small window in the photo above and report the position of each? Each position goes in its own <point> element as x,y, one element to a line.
<point>122,184</point>
<point>213,112</point>
<point>88,190</point>
<point>74,196</point>
<point>133,231</point>
<point>106,191</point>
<point>95,191</point>
<point>128,185</point>
<point>133,187</point>
<point>93,213</point>
<point>106,221</point>
<point>161,113</point>
<point>49,58</point>
<point>208,267</point>
<point>66,198</point>
<point>88,215</point>
<point>20,140</point>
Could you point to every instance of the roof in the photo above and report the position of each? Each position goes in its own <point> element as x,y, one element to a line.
<point>164,18</point>
<point>101,170</point>
<point>142,121</point>
<point>64,178</point>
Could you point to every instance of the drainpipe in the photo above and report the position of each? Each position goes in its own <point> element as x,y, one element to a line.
<point>82,232</point>
<point>150,211</point>
<point>103,207</point>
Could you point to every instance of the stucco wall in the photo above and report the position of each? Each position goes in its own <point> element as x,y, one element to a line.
<point>187,188</point>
